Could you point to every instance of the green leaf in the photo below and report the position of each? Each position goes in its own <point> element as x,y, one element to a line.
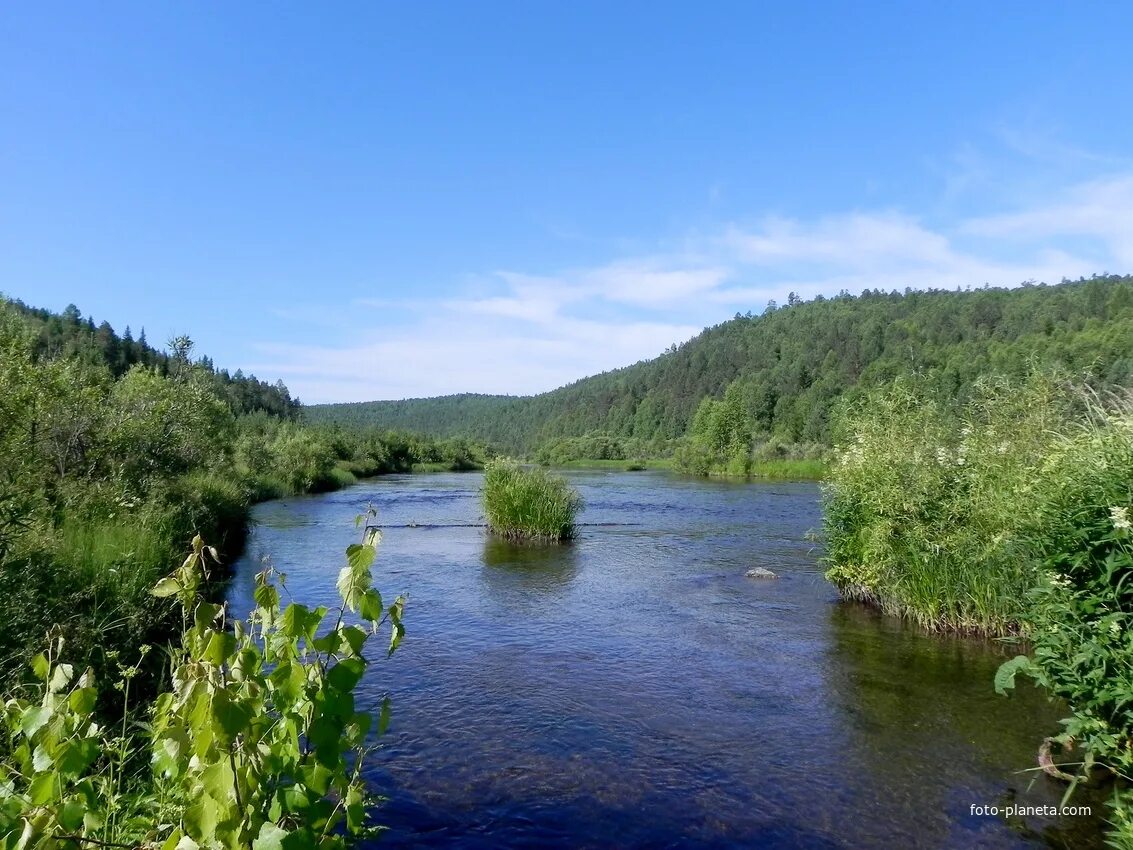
<point>83,700</point>
<point>166,587</point>
<point>230,716</point>
<point>33,719</point>
<point>201,817</point>
<point>61,677</point>
<point>317,778</point>
<point>344,675</point>
<point>355,809</point>
<point>220,647</point>
<point>267,596</point>
<point>41,666</point>
<point>370,606</point>
<point>71,815</point>
<point>270,838</point>
<point>354,638</point>
<point>1005,675</point>
<point>41,759</point>
<point>42,789</point>
<point>74,757</point>
<point>295,620</point>
<point>360,556</point>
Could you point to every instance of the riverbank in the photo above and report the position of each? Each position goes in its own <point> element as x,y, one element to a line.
<point>772,470</point>
<point>1006,516</point>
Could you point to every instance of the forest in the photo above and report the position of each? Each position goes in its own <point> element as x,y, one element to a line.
<point>763,386</point>
<point>114,454</point>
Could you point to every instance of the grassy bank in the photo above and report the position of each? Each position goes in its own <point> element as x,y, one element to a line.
<point>636,465</point>
<point>528,503</point>
<point>1005,515</point>
<point>790,470</point>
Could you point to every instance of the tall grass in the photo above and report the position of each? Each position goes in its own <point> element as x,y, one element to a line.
<point>528,504</point>
<point>1010,513</point>
<point>937,512</point>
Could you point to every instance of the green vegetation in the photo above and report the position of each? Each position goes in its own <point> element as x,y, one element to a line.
<point>258,742</point>
<point>528,504</point>
<point>789,368</point>
<point>113,456</point>
<point>1007,514</point>
<point>637,465</point>
<point>789,470</point>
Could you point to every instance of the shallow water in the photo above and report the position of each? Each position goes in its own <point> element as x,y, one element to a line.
<point>634,689</point>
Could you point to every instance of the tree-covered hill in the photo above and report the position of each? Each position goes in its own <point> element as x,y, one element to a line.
<point>780,373</point>
<point>69,336</point>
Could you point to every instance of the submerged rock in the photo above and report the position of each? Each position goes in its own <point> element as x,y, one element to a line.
<point>759,572</point>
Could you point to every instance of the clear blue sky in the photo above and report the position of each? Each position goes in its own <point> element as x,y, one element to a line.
<point>383,200</point>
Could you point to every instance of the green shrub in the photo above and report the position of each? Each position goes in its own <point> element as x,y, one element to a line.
<point>342,476</point>
<point>528,504</point>
<point>257,744</point>
<point>937,514</point>
<point>1010,513</point>
<point>1079,616</point>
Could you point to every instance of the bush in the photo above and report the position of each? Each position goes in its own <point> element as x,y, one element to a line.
<point>1009,514</point>
<point>257,744</point>
<point>528,504</point>
<point>938,514</point>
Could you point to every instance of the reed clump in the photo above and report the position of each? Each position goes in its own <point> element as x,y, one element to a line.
<point>528,504</point>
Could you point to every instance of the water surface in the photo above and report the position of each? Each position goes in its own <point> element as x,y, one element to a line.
<point>634,689</point>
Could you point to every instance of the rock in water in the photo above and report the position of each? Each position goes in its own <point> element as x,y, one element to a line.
<point>759,572</point>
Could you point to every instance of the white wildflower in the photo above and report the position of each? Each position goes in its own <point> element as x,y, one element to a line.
<point>1059,580</point>
<point>966,430</point>
<point>1120,517</point>
<point>1001,449</point>
<point>942,456</point>
<point>1115,628</point>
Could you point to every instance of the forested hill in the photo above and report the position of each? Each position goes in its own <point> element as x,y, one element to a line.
<point>68,335</point>
<point>785,369</point>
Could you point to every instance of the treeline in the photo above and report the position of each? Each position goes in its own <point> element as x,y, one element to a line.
<point>107,470</point>
<point>68,336</point>
<point>777,376</point>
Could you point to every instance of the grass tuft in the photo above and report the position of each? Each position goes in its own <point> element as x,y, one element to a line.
<point>528,504</point>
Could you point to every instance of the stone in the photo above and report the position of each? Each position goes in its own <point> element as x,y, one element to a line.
<point>759,572</point>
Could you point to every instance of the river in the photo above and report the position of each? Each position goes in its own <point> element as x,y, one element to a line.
<point>634,689</point>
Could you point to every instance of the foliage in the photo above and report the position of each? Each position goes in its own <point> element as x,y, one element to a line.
<point>112,457</point>
<point>67,337</point>
<point>1008,514</point>
<point>937,513</point>
<point>529,504</point>
<point>792,366</point>
<point>1080,612</point>
<point>259,743</point>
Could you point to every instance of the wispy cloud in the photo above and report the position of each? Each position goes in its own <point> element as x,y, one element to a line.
<point>522,332</point>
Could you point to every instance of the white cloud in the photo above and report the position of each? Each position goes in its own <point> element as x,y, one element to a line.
<point>1100,210</point>
<point>525,333</point>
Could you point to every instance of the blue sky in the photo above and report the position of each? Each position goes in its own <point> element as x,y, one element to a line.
<point>390,200</point>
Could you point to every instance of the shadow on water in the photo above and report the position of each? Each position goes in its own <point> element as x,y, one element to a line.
<point>888,676</point>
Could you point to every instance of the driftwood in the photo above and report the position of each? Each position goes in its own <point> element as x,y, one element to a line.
<point>1046,761</point>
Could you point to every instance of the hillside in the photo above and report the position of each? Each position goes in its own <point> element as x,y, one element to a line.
<point>788,367</point>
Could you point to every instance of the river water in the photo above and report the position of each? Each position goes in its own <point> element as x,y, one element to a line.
<point>634,689</point>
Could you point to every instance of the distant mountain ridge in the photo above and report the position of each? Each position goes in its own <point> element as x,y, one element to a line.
<point>787,367</point>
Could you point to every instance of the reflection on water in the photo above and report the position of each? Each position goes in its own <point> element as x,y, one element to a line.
<point>522,572</point>
<point>634,689</point>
